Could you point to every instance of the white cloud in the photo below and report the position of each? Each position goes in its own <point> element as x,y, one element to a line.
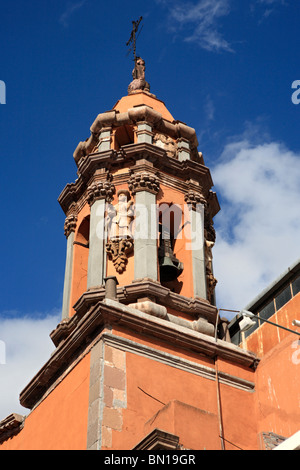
<point>271,2</point>
<point>199,22</point>
<point>71,8</point>
<point>27,348</point>
<point>269,6</point>
<point>258,228</point>
<point>209,109</point>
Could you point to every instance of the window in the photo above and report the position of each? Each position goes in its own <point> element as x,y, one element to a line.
<point>253,328</point>
<point>296,286</point>
<point>267,311</point>
<point>284,296</point>
<point>275,303</point>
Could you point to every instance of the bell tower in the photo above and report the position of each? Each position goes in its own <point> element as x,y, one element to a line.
<point>141,210</point>
<point>141,351</point>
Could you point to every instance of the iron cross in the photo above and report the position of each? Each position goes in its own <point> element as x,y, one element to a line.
<point>133,37</point>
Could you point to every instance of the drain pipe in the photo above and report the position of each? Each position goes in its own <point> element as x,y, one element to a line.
<point>217,377</point>
<point>218,386</point>
<point>111,283</point>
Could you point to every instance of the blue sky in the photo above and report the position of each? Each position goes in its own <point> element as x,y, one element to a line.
<point>224,67</point>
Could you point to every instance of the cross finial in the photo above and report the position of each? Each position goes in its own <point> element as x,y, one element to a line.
<point>133,37</point>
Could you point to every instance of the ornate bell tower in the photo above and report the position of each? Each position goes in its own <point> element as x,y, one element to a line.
<point>141,211</point>
<point>136,356</point>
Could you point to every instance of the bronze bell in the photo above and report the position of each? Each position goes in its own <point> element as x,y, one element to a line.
<point>169,266</point>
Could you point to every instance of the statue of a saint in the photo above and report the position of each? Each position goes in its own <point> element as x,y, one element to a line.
<point>138,75</point>
<point>120,242</point>
<point>120,216</point>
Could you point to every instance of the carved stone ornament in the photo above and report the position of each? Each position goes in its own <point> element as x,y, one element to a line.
<point>100,190</point>
<point>210,233</point>
<point>143,182</point>
<point>70,224</point>
<point>138,75</point>
<point>193,198</point>
<point>119,219</point>
<point>211,281</point>
<point>167,143</point>
<point>118,251</point>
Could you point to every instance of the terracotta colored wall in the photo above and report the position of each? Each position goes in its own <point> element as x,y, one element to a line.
<point>60,421</point>
<point>278,388</point>
<point>129,101</point>
<point>277,375</point>
<point>161,382</point>
<point>262,340</point>
<point>185,404</point>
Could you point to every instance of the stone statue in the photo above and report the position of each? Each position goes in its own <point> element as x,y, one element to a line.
<point>120,242</point>
<point>138,75</point>
<point>210,279</point>
<point>120,216</point>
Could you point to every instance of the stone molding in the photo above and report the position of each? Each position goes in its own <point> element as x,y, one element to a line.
<point>100,190</point>
<point>70,224</point>
<point>150,289</point>
<point>270,440</point>
<point>109,313</point>
<point>159,440</point>
<point>166,168</point>
<point>175,129</point>
<point>64,329</point>
<point>167,143</point>
<point>10,426</point>
<point>143,181</point>
<point>193,198</point>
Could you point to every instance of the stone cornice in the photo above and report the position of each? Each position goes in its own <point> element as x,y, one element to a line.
<point>166,168</point>
<point>158,439</point>
<point>101,160</point>
<point>100,190</point>
<point>193,198</point>
<point>132,116</point>
<point>186,170</point>
<point>143,181</point>
<point>147,288</point>
<point>10,426</point>
<point>114,313</point>
<point>70,224</point>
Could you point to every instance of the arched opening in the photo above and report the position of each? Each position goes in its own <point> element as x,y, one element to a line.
<point>80,261</point>
<point>170,267</point>
<point>123,135</point>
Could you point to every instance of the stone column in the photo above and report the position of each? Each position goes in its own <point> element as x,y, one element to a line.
<point>98,194</point>
<point>144,132</point>
<point>105,139</point>
<point>183,150</point>
<point>196,206</point>
<point>70,226</point>
<point>145,187</point>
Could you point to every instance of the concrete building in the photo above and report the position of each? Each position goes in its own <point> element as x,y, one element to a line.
<point>274,338</point>
<point>143,358</point>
